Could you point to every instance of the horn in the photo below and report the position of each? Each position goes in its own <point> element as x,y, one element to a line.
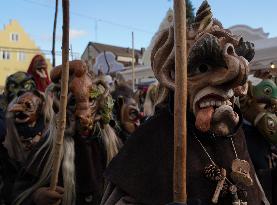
<point>78,67</point>
<point>163,58</point>
<point>245,49</point>
<point>204,17</point>
<point>101,82</point>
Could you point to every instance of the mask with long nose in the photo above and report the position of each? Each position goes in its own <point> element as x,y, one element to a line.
<point>217,70</point>
<point>88,98</point>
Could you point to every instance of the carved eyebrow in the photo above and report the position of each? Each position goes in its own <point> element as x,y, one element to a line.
<point>205,50</point>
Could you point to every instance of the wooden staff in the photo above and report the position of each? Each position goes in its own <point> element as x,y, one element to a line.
<point>133,63</point>
<point>54,35</point>
<point>180,103</point>
<point>63,97</point>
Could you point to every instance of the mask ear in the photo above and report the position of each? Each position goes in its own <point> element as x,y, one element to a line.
<point>42,98</point>
<point>120,101</point>
<point>137,96</point>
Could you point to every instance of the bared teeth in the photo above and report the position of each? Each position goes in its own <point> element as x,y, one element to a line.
<point>218,103</point>
<point>202,105</point>
<point>208,103</point>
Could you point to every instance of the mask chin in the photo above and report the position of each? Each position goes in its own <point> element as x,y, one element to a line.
<point>224,121</point>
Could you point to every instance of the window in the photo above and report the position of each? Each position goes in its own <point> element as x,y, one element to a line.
<point>5,55</point>
<point>15,37</point>
<point>21,56</point>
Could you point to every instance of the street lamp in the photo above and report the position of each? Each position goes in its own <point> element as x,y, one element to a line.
<point>272,65</point>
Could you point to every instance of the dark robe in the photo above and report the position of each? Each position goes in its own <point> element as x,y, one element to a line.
<point>261,152</point>
<point>142,171</point>
<point>3,154</point>
<point>90,162</point>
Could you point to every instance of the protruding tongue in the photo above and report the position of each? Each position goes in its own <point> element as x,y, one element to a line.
<point>204,118</point>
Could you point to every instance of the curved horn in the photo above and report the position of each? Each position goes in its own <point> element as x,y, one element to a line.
<point>101,82</point>
<point>163,58</point>
<point>204,17</point>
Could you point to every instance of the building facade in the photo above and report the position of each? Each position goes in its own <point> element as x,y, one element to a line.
<point>122,55</point>
<point>16,50</point>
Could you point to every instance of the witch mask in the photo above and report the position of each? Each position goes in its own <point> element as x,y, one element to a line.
<point>27,108</point>
<point>27,113</point>
<point>126,107</point>
<point>217,67</point>
<point>88,97</point>
<point>39,66</point>
<point>18,82</point>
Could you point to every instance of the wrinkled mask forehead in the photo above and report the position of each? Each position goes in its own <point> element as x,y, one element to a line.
<point>29,97</point>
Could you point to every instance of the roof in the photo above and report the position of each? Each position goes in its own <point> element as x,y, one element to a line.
<point>118,51</point>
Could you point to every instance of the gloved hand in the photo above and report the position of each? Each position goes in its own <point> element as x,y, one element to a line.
<point>44,196</point>
<point>189,202</point>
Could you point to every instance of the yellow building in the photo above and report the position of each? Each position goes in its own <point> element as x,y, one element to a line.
<point>16,50</point>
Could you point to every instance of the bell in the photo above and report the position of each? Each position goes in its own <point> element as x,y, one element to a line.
<point>241,172</point>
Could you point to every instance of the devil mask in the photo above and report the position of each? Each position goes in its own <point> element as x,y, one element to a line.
<point>19,81</point>
<point>217,64</point>
<point>88,98</point>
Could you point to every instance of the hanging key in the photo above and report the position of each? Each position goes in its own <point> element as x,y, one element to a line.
<point>219,186</point>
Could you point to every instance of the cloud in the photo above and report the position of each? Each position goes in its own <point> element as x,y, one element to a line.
<point>74,33</point>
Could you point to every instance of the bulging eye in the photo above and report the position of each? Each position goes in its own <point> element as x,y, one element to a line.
<point>27,86</point>
<point>270,124</point>
<point>203,68</point>
<point>133,114</point>
<point>268,90</point>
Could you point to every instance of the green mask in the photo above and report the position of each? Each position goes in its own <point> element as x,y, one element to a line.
<point>267,125</point>
<point>19,81</point>
<point>265,89</point>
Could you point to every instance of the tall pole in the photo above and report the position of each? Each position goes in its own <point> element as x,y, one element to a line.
<point>133,62</point>
<point>54,35</point>
<point>180,103</point>
<point>63,98</point>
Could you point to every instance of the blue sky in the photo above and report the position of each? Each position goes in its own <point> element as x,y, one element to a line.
<point>114,20</point>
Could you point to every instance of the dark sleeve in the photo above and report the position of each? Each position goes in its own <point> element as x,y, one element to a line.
<point>22,183</point>
<point>2,125</point>
<point>115,196</point>
<point>274,186</point>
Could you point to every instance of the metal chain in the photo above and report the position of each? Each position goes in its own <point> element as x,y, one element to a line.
<point>210,158</point>
<point>234,148</point>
